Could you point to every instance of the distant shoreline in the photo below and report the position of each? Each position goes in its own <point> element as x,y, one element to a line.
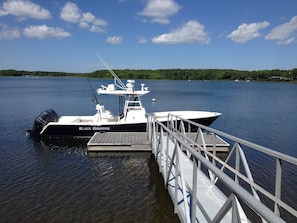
<point>173,74</point>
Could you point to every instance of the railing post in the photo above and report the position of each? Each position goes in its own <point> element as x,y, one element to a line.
<point>176,186</point>
<point>214,148</point>
<point>154,138</point>
<point>161,150</point>
<point>167,157</point>
<point>278,183</point>
<point>194,191</point>
<point>149,128</point>
<point>237,162</point>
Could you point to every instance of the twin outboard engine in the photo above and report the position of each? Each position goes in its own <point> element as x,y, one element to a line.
<point>42,120</point>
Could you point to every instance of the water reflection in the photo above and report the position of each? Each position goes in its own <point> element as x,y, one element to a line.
<point>70,184</point>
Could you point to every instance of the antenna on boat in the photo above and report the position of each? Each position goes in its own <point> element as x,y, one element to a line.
<point>116,78</point>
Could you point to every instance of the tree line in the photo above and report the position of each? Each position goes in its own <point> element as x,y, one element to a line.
<point>172,74</point>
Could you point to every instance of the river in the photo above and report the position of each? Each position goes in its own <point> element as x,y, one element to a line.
<point>62,183</point>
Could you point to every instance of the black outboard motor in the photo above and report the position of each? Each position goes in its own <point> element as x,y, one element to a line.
<point>42,120</point>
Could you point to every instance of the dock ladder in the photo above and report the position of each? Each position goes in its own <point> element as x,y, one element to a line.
<point>206,186</point>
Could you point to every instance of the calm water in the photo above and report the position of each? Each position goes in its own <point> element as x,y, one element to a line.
<point>61,183</point>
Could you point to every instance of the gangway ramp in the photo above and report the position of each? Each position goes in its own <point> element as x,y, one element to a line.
<point>192,174</point>
<point>210,197</point>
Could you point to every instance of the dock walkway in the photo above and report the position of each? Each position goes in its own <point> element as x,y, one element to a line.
<point>210,197</point>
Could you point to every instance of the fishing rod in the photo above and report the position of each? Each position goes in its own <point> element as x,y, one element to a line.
<point>95,98</point>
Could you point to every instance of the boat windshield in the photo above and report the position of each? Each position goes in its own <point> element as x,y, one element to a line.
<point>133,104</point>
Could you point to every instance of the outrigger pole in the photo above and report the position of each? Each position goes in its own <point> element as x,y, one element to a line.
<point>116,78</point>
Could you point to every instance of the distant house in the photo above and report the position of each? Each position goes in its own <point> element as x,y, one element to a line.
<point>281,78</point>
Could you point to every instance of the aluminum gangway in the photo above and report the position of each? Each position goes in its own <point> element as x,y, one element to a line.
<point>207,187</point>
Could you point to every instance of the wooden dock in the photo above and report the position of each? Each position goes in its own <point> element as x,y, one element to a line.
<point>119,141</point>
<point>137,142</point>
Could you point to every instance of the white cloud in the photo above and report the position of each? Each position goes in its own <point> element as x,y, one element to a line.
<point>9,33</point>
<point>142,40</point>
<point>190,32</point>
<point>70,13</point>
<point>45,32</point>
<point>3,13</point>
<point>160,10</point>
<point>24,9</point>
<point>84,25</point>
<point>85,20</point>
<point>287,41</point>
<point>285,33</point>
<point>97,29</point>
<point>246,32</point>
<point>114,40</point>
<point>88,17</point>
<point>99,22</point>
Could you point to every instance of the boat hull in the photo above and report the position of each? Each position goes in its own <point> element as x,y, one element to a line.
<point>57,130</point>
<point>85,131</point>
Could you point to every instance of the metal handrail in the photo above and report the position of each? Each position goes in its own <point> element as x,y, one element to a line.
<point>252,201</point>
<point>279,158</point>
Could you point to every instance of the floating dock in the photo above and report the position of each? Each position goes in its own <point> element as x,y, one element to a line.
<point>137,141</point>
<point>119,141</point>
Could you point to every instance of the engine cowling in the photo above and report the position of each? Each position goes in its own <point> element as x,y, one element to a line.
<point>42,120</point>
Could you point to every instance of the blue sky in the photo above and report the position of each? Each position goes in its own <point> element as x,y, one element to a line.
<point>65,36</point>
